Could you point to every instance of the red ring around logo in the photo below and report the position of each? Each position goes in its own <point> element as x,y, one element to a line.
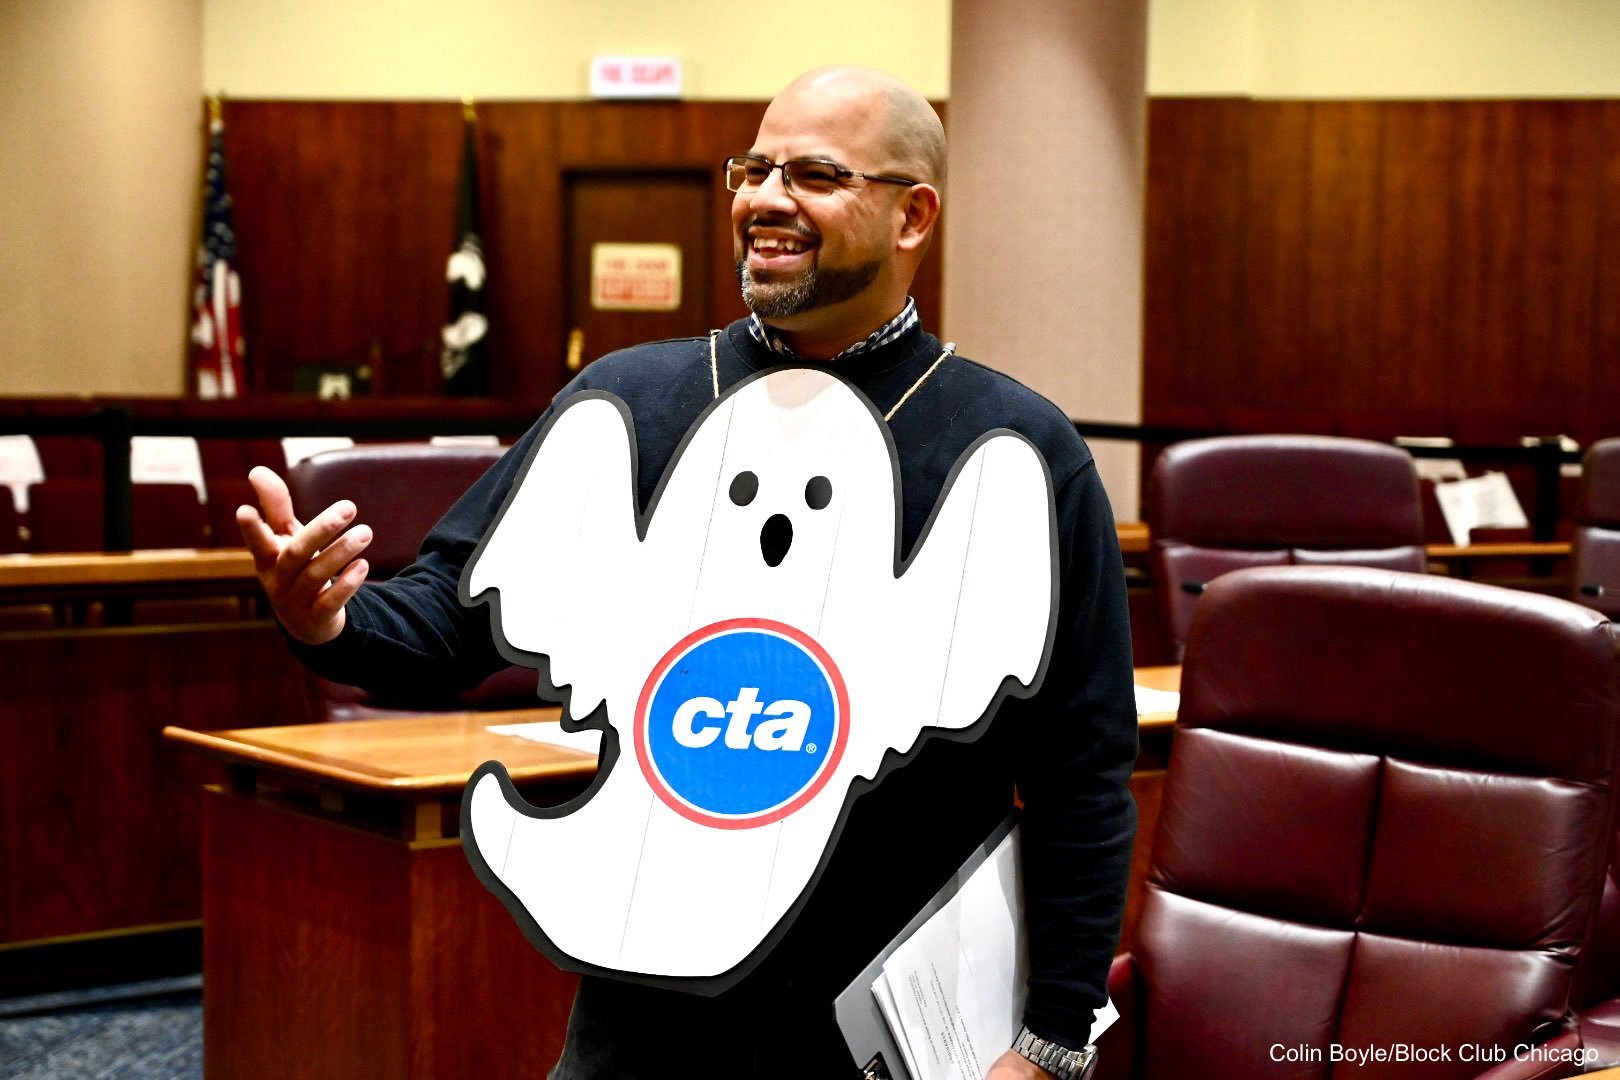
<point>829,766</point>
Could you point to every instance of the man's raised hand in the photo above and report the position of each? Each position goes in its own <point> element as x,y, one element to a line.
<point>308,571</point>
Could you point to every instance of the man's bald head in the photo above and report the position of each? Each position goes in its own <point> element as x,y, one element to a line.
<point>906,128</point>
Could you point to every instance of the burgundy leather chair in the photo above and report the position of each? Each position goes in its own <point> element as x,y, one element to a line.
<point>67,515</point>
<point>1235,501</point>
<point>1385,823</point>
<point>401,490</point>
<point>11,524</point>
<point>1594,568</point>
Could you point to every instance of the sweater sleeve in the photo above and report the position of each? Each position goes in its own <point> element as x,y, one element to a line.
<point>409,638</point>
<point>1075,754</point>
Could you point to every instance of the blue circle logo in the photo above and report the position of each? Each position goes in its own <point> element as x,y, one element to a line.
<point>741,723</point>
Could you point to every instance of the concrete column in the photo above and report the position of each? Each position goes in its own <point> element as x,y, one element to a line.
<point>1044,206</point>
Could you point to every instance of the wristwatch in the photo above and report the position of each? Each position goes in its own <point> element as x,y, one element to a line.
<point>1059,1060</point>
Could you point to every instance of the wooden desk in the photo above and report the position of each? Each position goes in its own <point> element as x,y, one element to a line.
<point>1167,677</point>
<point>72,569</point>
<point>1527,549</point>
<point>78,577</point>
<point>344,933</point>
<point>1133,537</point>
<point>1136,537</point>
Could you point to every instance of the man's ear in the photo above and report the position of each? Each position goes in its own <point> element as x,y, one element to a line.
<point>920,206</point>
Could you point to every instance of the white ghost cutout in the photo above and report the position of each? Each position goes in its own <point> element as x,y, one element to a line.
<point>757,623</point>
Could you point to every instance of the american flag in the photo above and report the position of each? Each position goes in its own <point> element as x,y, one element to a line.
<point>216,327</point>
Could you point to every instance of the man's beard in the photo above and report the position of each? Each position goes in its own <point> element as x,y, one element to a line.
<point>816,287</point>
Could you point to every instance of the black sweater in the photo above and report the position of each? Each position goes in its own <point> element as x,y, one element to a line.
<point>1069,749</point>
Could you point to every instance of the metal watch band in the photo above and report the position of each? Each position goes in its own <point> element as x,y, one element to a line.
<point>1059,1060</point>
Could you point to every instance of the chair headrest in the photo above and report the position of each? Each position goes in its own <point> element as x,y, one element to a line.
<point>1325,656</point>
<point>1598,502</point>
<point>1313,491</point>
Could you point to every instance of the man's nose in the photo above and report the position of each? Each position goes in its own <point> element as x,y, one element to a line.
<point>774,194</point>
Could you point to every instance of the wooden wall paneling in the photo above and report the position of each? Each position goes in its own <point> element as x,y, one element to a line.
<point>1561,226</point>
<point>1276,269</point>
<point>1195,249</point>
<point>523,214</point>
<point>1601,417</point>
<point>1341,258</point>
<point>1488,233</point>
<point>98,821</point>
<point>344,212</point>
<point>1411,361</point>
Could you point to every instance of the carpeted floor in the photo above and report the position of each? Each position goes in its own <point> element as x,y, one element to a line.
<point>148,1029</point>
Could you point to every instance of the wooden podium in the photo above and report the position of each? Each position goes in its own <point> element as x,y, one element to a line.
<point>344,933</point>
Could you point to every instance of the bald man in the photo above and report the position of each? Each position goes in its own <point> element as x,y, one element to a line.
<point>834,205</point>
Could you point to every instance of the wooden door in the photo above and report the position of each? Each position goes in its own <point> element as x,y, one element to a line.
<point>619,221</point>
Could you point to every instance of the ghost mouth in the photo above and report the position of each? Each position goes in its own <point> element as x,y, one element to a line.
<point>775,538</point>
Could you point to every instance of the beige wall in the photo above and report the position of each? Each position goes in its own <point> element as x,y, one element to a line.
<point>1385,48</point>
<point>98,187</point>
<point>731,49</point>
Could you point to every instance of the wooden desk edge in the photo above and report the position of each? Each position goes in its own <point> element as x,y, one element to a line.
<point>153,566</point>
<point>571,764</point>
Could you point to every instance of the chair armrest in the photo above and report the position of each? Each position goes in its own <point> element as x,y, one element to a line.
<point>1559,1056</point>
<point>1116,1047</point>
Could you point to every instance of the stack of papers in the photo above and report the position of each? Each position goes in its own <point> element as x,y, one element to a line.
<point>953,992</point>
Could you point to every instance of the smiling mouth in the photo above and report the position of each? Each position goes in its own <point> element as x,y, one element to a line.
<point>772,245</point>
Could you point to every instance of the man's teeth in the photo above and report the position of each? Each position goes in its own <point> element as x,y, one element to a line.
<point>766,243</point>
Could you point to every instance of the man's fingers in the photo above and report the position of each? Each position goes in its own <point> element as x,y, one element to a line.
<point>339,554</point>
<point>308,541</point>
<point>274,498</point>
<point>331,600</point>
<point>258,538</point>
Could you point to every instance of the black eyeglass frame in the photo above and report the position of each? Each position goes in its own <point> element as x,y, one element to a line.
<point>840,172</point>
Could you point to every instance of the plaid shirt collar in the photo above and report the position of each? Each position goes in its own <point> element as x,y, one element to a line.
<point>884,334</point>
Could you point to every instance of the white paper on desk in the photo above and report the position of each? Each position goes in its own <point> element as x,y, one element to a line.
<point>464,440</point>
<point>552,734</point>
<point>1149,700</point>
<point>19,467</point>
<point>1481,502</point>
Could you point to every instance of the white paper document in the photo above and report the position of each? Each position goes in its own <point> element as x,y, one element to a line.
<point>1149,700</point>
<point>167,459</point>
<point>1484,502</point>
<point>551,733</point>
<point>19,467</point>
<point>954,991</point>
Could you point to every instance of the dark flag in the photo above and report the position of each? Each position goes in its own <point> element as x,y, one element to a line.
<point>464,361</point>
<point>216,302</point>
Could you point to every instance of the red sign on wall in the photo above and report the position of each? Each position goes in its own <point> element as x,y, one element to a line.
<point>635,277</point>
<point>636,77</point>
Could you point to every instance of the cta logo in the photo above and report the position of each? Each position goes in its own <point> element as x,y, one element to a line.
<point>741,723</point>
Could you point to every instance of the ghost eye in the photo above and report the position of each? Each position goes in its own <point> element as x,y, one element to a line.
<point>818,493</point>
<point>744,486</point>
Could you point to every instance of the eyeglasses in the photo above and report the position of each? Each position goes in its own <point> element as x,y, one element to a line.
<point>801,176</point>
